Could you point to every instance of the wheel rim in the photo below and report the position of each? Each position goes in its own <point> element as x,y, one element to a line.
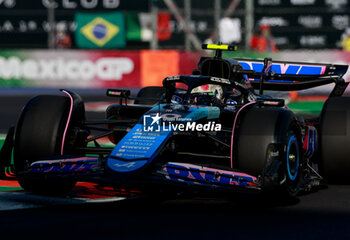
<point>292,158</point>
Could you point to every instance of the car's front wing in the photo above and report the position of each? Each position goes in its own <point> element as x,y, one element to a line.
<point>171,173</point>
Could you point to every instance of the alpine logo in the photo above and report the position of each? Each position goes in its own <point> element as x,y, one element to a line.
<point>126,165</point>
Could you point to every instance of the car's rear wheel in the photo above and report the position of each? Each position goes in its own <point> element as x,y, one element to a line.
<point>41,133</point>
<point>268,147</point>
<point>335,139</point>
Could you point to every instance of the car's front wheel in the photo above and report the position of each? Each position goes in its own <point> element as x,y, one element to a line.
<point>44,130</point>
<point>269,147</point>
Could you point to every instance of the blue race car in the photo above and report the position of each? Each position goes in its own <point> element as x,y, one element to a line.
<point>212,131</point>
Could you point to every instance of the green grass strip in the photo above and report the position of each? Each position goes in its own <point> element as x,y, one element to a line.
<point>9,189</point>
<point>306,107</point>
<point>2,139</point>
<point>5,188</point>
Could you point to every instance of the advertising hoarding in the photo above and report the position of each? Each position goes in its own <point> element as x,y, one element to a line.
<point>92,69</point>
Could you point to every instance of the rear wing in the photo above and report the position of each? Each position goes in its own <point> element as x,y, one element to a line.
<point>278,76</point>
<point>293,76</point>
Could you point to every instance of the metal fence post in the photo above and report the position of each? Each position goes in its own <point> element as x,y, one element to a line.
<point>249,22</point>
<point>187,6</point>
<point>217,16</point>
<point>154,11</point>
<point>51,22</point>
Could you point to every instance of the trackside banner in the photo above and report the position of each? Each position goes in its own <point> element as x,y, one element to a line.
<point>126,69</point>
<point>91,68</point>
<point>87,69</point>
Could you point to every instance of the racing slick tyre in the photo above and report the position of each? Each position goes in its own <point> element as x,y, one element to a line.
<point>269,147</point>
<point>149,92</point>
<point>41,130</point>
<point>335,139</point>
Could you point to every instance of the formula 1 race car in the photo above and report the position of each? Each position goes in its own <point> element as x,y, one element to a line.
<point>209,131</point>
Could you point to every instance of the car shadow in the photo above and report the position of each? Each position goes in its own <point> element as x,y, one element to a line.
<point>181,218</point>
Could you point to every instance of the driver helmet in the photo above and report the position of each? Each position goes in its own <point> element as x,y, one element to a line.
<point>210,89</point>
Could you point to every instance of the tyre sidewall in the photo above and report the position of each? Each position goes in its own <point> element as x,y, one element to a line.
<point>39,135</point>
<point>292,171</point>
<point>266,130</point>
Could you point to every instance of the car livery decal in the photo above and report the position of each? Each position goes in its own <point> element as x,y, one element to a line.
<point>81,164</point>
<point>183,172</point>
<point>138,148</point>
<point>285,68</point>
<point>199,112</point>
<point>127,166</point>
<point>137,145</point>
<point>310,141</point>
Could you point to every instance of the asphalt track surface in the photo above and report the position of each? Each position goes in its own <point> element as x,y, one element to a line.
<point>324,214</point>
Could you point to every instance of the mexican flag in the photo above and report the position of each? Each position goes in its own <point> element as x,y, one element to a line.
<point>97,30</point>
<point>139,26</point>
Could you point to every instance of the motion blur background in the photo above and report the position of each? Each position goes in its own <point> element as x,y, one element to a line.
<point>97,44</point>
